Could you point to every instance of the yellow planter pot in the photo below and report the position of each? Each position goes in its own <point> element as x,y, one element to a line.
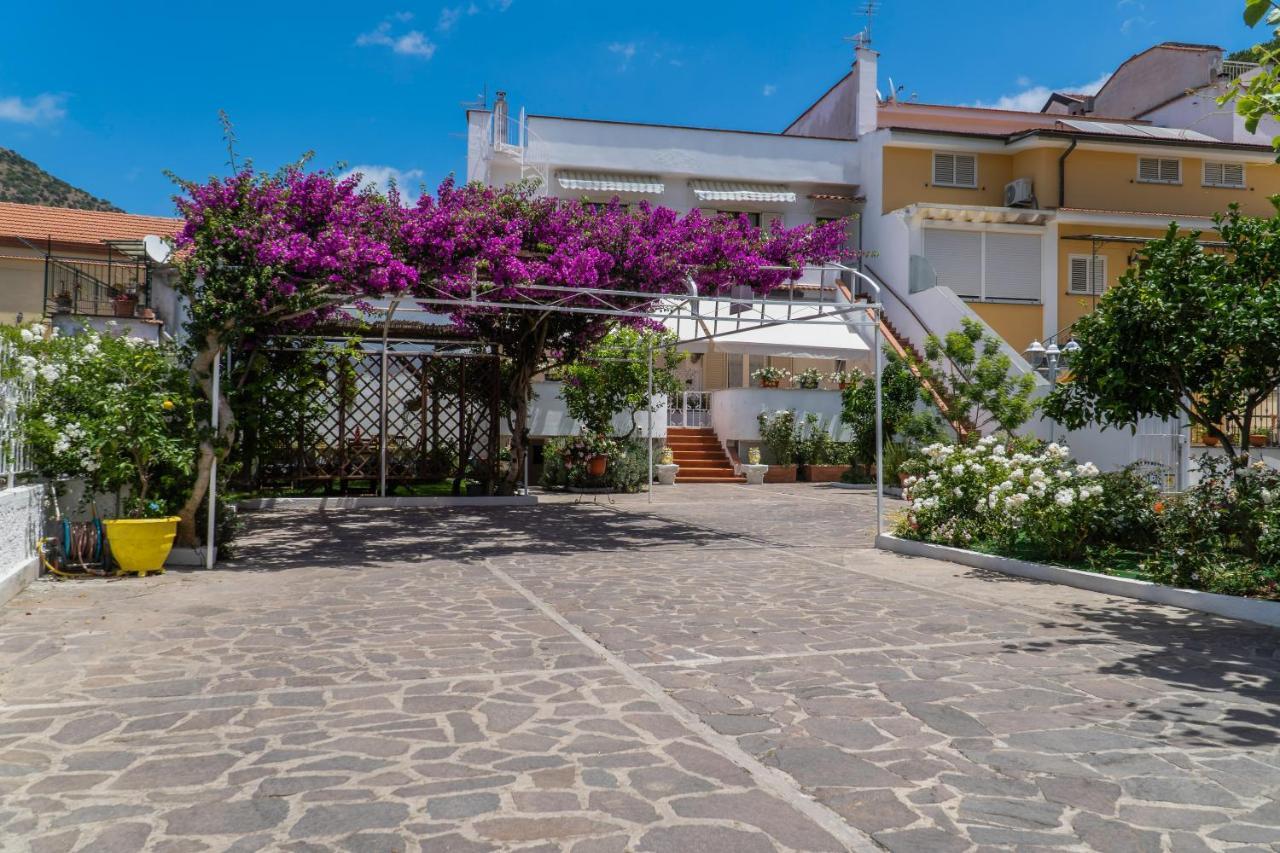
<point>141,545</point>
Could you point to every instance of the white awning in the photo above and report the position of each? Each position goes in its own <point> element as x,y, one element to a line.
<point>735,333</point>
<point>610,182</point>
<point>740,191</point>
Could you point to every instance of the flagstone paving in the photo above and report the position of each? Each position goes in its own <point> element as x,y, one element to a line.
<point>729,668</point>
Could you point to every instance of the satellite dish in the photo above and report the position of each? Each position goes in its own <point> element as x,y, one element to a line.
<point>156,248</point>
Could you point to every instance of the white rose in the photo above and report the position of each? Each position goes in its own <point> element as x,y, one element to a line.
<point>1065,497</point>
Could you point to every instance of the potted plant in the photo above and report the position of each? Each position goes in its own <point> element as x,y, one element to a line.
<point>125,303</point>
<point>1259,438</point>
<point>1209,440</point>
<point>667,467</point>
<point>62,302</point>
<point>778,434</point>
<point>590,453</point>
<point>753,469</point>
<point>769,377</point>
<point>809,379</point>
<point>117,414</point>
<point>822,458</point>
<point>845,378</point>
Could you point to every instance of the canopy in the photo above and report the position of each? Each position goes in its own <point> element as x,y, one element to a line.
<point>742,332</point>
<point>741,191</point>
<point>610,182</point>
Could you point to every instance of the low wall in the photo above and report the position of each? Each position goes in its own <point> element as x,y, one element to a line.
<point>21,526</point>
<point>734,410</point>
<point>549,417</point>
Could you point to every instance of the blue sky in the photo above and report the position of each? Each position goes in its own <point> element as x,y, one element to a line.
<point>108,96</point>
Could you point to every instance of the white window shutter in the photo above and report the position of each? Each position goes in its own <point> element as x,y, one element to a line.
<point>1171,171</point>
<point>1223,174</point>
<point>1081,281</point>
<point>944,169</point>
<point>1212,174</point>
<point>1148,169</point>
<point>966,170</point>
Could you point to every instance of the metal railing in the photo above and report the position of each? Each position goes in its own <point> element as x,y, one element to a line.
<point>690,409</point>
<point>14,392</point>
<point>94,287</point>
<point>1233,70</point>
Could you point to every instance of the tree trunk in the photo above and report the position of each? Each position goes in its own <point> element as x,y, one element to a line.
<point>213,446</point>
<point>528,358</point>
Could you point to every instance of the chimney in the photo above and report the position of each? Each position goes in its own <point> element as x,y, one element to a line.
<point>501,122</point>
<point>866,99</point>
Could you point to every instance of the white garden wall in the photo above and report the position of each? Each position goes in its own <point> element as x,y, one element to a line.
<point>21,526</point>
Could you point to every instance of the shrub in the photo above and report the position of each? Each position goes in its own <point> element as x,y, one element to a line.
<point>810,378</point>
<point>778,435</point>
<point>1041,503</point>
<point>815,446</point>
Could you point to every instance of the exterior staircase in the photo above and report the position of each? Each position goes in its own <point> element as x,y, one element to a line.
<point>700,456</point>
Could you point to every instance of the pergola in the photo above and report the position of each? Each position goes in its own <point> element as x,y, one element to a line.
<point>699,321</point>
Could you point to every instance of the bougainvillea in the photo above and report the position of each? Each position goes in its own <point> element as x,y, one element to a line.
<point>261,250</point>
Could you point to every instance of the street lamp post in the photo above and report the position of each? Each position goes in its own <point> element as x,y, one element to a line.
<point>1049,362</point>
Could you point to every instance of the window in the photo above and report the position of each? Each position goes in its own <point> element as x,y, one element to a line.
<point>955,170</point>
<point>1223,175</point>
<point>753,218</point>
<point>1156,170</point>
<point>754,363</point>
<point>1080,280</point>
<point>733,370</point>
<point>985,265</point>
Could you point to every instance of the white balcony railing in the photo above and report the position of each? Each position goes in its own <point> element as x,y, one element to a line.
<point>1232,70</point>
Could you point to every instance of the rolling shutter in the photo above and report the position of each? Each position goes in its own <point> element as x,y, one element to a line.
<point>956,256</point>
<point>1012,266</point>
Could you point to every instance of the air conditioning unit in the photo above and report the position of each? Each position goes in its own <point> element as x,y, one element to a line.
<point>1019,193</point>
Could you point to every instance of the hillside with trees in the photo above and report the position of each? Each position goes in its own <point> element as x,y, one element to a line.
<point>24,182</point>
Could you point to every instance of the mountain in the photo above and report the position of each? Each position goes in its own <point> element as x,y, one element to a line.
<point>26,183</point>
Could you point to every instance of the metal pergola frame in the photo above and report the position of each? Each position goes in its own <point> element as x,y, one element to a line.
<point>636,305</point>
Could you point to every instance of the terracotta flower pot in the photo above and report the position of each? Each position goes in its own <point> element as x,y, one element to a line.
<point>768,383</point>
<point>1257,440</point>
<point>125,307</point>
<point>1210,441</point>
<point>597,465</point>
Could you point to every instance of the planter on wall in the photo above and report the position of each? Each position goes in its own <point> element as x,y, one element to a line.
<point>822,473</point>
<point>781,474</point>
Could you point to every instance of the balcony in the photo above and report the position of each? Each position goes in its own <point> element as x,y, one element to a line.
<point>115,286</point>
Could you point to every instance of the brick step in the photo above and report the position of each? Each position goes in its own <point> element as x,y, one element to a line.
<point>727,479</point>
<point>709,447</point>
<point>690,431</point>
<point>695,458</point>
<point>717,471</point>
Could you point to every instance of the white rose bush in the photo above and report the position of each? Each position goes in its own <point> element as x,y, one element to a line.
<point>987,496</point>
<point>111,410</point>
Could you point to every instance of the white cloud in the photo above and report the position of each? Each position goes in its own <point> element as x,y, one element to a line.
<point>625,50</point>
<point>768,89</point>
<point>410,43</point>
<point>41,109</point>
<point>403,17</point>
<point>1032,98</point>
<point>382,177</point>
<point>450,15</point>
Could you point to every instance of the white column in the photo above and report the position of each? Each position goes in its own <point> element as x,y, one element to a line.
<point>1049,279</point>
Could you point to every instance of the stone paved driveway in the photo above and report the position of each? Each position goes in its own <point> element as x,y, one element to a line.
<point>727,669</point>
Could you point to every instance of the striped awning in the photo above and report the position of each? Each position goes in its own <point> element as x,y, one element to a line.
<point>741,191</point>
<point>610,182</point>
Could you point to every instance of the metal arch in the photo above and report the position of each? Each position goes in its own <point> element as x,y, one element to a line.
<point>382,403</point>
<point>870,313</point>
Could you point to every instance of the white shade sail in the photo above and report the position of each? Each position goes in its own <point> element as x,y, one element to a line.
<point>741,191</point>
<point>742,332</point>
<point>610,182</point>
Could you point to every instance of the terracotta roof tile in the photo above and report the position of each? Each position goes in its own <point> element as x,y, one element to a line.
<point>78,227</point>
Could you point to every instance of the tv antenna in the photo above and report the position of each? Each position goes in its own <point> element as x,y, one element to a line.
<point>869,10</point>
<point>481,101</point>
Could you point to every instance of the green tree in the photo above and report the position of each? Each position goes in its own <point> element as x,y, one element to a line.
<point>970,374</point>
<point>613,377</point>
<point>1258,96</point>
<point>1189,330</point>
<point>900,391</point>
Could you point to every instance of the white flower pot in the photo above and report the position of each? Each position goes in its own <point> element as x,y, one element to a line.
<point>667,474</point>
<point>755,474</point>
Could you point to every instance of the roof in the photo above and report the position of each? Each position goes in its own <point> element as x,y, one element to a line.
<point>911,114</point>
<point>78,227</point>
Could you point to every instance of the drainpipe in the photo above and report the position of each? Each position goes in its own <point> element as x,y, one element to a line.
<point>1062,173</point>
